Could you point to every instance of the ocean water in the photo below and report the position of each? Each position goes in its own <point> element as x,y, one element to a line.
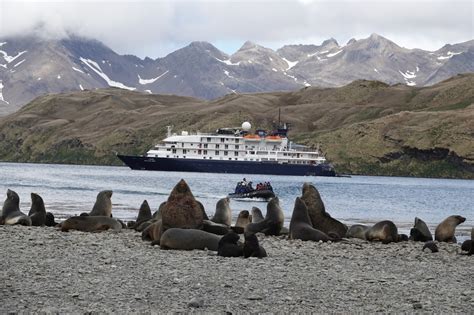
<point>69,190</point>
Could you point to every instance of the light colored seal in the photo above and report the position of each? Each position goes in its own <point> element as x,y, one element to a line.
<point>189,239</point>
<point>273,222</point>
<point>357,231</point>
<point>91,224</point>
<point>445,230</point>
<point>223,214</point>
<point>37,212</point>
<point>103,204</point>
<point>243,219</point>
<point>320,219</point>
<point>11,213</point>
<point>383,231</point>
<point>300,225</point>
<point>257,215</point>
<point>420,231</point>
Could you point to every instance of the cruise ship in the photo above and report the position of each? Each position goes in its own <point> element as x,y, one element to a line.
<point>232,150</point>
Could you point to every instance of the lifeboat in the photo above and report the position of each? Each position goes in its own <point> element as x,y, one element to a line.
<point>252,137</point>
<point>273,138</point>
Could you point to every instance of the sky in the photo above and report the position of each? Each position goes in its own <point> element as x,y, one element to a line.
<point>156,28</point>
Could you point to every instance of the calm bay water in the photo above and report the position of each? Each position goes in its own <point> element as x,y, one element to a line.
<point>69,190</point>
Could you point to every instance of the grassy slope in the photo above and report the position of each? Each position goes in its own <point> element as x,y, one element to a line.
<point>365,127</point>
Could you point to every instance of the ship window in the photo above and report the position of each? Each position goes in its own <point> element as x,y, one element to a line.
<point>168,156</point>
<point>174,150</point>
<point>182,144</point>
<point>235,159</point>
<point>226,153</point>
<point>222,139</point>
<point>252,152</point>
<point>236,147</point>
<point>208,139</point>
<point>156,155</point>
<point>230,159</point>
<point>236,153</point>
<point>217,152</point>
<point>184,151</point>
<point>168,149</point>
<point>236,140</point>
<point>184,156</point>
<point>199,151</point>
<point>205,152</point>
<point>217,146</point>
<point>210,158</point>
<point>226,146</point>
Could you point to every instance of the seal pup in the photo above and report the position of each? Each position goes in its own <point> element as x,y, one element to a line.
<point>257,215</point>
<point>189,239</point>
<point>431,246</point>
<point>468,245</point>
<point>300,225</point>
<point>420,231</point>
<point>103,204</point>
<point>49,220</point>
<point>384,231</point>
<point>320,219</point>
<point>11,213</point>
<point>357,231</point>
<point>223,214</point>
<point>181,209</point>
<point>228,246</point>
<point>90,224</point>
<point>445,230</point>
<point>243,220</point>
<point>37,211</point>
<point>252,247</point>
<point>273,222</point>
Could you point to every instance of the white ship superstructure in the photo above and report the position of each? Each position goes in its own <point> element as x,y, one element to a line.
<point>236,144</point>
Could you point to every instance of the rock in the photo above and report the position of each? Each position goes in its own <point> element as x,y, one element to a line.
<point>196,303</point>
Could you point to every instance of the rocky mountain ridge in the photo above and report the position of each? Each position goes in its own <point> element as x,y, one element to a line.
<point>31,67</point>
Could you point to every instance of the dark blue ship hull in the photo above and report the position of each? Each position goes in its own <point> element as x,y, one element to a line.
<point>223,166</point>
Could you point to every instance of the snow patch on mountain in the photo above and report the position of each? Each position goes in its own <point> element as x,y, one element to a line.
<point>228,62</point>
<point>80,86</point>
<point>95,67</point>
<point>1,93</point>
<point>334,54</point>
<point>8,58</point>
<point>149,81</point>
<point>19,63</point>
<point>148,91</point>
<point>409,75</point>
<point>449,54</point>
<point>78,70</point>
<point>291,64</point>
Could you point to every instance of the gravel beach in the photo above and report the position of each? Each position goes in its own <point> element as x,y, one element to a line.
<point>45,270</point>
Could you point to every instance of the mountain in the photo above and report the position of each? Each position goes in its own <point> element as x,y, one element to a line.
<point>365,127</point>
<point>30,67</point>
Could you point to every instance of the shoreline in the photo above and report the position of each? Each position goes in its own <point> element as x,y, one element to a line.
<point>46,270</point>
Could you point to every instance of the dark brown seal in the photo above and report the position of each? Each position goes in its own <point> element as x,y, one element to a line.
<point>445,230</point>
<point>189,239</point>
<point>181,209</point>
<point>300,225</point>
<point>103,204</point>
<point>37,212</point>
<point>91,224</point>
<point>420,232</point>
<point>357,231</point>
<point>273,222</point>
<point>252,247</point>
<point>228,246</point>
<point>383,231</point>
<point>320,219</point>
<point>11,213</point>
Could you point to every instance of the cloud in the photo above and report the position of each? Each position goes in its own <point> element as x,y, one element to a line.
<point>155,28</point>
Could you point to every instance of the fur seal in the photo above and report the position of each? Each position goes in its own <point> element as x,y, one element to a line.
<point>252,247</point>
<point>189,239</point>
<point>420,231</point>
<point>37,212</point>
<point>357,231</point>
<point>144,214</point>
<point>300,225</point>
<point>384,231</point>
<point>103,204</point>
<point>468,245</point>
<point>431,246</point>
<point>228,246</point>
<point>257,215</point>
<point>49,221</point>
<point>445,230</point>
<point>90,224</point>
<point>273,222</point>
<point>243,220</point>
<point>152,233</point>
<point>223,214</point>
<point>320,219</point>
<point>181,209</point>
<point>11,213</point>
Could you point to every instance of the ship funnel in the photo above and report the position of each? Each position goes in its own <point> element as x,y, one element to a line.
<point>246,126</point>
